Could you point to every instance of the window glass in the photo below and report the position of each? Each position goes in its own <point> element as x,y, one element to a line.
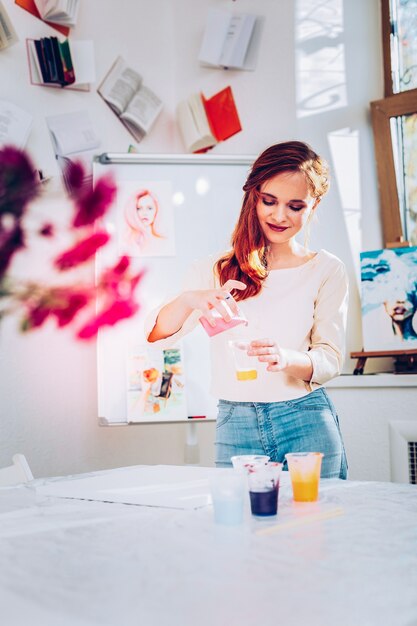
<point>404,144</point>
<point>403,16</point>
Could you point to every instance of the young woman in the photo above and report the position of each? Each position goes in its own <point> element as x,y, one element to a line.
<point>298,300</point>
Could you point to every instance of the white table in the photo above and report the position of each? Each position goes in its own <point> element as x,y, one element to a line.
<point>348,560</point>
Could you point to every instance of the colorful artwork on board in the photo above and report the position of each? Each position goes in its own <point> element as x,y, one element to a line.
<point>389,299</point>
<point>145,218</point>
<point>155,385</point>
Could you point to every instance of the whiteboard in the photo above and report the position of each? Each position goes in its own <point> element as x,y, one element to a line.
<point>206,196</point>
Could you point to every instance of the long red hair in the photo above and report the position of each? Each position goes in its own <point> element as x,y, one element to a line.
<point>246,261</point>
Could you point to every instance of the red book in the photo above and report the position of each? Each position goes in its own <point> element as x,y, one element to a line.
<point>204,122</point>
<point>222,114</point>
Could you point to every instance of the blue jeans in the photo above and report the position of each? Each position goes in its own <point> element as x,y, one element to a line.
<point>306,424</point>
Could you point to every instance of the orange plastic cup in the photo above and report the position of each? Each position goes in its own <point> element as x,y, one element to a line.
<point>304,469</point>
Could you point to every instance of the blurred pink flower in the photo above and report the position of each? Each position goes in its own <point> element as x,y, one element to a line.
<point>19,184</point>
<point>93,203</point>
<point>118,310</point>
<point>75,177</point>
<point>72,302</point>
<point>114,289</point>
<point>122,265</point>
<point>10,242</point>
<point>47,230</point>
<point>19,181</point>
<point>63,303</point>
<point>82,251</point>
<point>36,316</point>
<point>115,279</point>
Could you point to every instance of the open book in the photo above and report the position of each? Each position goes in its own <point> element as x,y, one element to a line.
<point>7,33</point>
<point>53,63</point>
<point>204,123</point>
<point>231,40</point>
<point>136,105</point>
<point>30,7</point>
<point>63,12</point>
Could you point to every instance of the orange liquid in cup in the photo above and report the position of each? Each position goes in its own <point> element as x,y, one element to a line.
<point>246,374</point>
<point>306,491</point>
<point>304,469</point>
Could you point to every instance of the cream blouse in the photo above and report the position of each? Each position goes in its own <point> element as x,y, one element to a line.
<point>303,308</point>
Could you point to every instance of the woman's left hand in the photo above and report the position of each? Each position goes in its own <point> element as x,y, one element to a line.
<point>269,352</point>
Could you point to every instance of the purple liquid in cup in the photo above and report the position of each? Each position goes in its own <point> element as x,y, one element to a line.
<point>264,502</point>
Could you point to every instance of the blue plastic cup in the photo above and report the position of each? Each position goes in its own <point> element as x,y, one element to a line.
<point>227,493</point>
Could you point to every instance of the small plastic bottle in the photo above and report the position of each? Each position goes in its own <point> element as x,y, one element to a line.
<point>221,324</point>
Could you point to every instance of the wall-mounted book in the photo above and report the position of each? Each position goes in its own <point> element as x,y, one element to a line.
<point>30,7</point>
<point>8,34</point>
<point>62,12</point>
<point>231,40</point>
<point>136,106</point>
<point>55,63</point>
<point>203,123</point>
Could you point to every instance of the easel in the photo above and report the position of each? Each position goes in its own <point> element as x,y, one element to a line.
<point>405,361</point>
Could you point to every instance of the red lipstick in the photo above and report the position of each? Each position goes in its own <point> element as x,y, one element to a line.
<point>278,229</point>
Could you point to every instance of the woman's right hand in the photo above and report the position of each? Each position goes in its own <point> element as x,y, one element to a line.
<point>208,299</point>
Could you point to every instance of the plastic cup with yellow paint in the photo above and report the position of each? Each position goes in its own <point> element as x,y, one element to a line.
<point>245,365</point>
<point>304,469</point>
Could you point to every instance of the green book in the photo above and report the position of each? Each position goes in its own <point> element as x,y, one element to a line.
<point>67,66</point>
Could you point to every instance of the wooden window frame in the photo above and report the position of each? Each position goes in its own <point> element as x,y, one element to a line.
<point>386,47</point>
<point>404,103</point>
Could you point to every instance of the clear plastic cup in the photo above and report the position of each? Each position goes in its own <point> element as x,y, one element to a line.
<point>245,365</point>
<point>239,461</point>
<point>227,493</point>
<point>304,469</point>
<point>241,464</point>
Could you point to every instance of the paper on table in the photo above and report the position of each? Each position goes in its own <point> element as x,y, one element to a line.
<point>163,486</point>
<point>15,124</point>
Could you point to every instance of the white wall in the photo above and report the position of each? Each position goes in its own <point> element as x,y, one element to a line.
<point>320,64</point>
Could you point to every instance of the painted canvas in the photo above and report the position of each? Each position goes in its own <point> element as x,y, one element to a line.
<point>155,385</point>
<point>145,218</point>
<point>389,299</point>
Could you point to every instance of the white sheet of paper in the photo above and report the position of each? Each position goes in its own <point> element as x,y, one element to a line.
<point>166,486</point>
<point>72,133</point>
<point>82,52</point>
<point>15,124</point>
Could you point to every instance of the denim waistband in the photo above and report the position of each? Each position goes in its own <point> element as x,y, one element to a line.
<point>316,392</point>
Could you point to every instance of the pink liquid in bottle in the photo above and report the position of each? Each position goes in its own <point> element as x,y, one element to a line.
<point>221,324</point>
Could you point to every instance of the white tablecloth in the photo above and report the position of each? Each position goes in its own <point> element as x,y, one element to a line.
<point>348,560</point>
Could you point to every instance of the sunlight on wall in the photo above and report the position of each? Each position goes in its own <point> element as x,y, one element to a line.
<point>319,56</point>
<point>344,148</point>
